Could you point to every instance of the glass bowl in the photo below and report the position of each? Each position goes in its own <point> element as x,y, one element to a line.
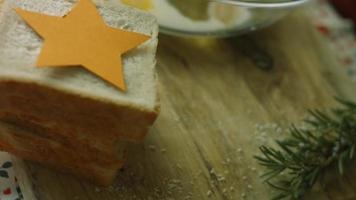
<point>218,18</point>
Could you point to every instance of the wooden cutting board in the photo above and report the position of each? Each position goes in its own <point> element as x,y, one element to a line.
<point>221,99</point>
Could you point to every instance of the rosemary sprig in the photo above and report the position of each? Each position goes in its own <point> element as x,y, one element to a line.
<point>302,158</point>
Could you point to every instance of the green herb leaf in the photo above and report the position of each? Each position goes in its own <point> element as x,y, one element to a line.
<point>306,153</point>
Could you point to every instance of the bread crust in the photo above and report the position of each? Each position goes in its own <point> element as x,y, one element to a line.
<point>33,147</point>
<point>97,131</point>
<point>71,117</point>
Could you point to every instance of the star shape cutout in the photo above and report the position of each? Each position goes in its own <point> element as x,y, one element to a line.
<point>81,38</point>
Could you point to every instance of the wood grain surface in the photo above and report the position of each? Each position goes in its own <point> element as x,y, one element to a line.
<point>221,99</point>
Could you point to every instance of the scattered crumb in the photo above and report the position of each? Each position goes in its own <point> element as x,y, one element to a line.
<point>227,161</point>
<point>163,150</point>
<point>232,188</point>
<point>249,186</point>
<point>212,171</point>
<point>244,178</point>
<point>110,188</point>
<point>264,133</point>
<point>224,191</point>
<point>179,167</point>
<point>198,174</point>
<point>243,195</point>
<point>152,147</point>
<point>209,193</point>
<point>175,181</point>
<point>221,178</point>
<point>97,189</point>
<point>279,130</point>
<point>239,150</point>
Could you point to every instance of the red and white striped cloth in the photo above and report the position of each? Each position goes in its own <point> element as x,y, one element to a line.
<point>338,32</point>
<point>9,189</point>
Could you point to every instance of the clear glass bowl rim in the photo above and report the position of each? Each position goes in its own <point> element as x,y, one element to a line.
<point>264,4</point>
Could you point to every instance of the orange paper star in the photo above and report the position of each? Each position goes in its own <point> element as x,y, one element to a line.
<point>82,38</point>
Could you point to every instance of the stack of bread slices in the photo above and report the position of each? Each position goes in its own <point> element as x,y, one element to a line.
<point>68,118</point>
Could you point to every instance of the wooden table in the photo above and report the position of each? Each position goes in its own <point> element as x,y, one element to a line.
<point>221,100</point>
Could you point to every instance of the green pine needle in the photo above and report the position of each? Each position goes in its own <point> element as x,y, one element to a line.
<point>301,159</point>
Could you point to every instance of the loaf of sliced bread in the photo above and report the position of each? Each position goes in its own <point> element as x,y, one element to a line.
<point>70,106</point>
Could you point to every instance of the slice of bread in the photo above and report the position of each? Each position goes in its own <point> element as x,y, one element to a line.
<point>31,146</point>
<point>70,106</point>
<point>81,96</point>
